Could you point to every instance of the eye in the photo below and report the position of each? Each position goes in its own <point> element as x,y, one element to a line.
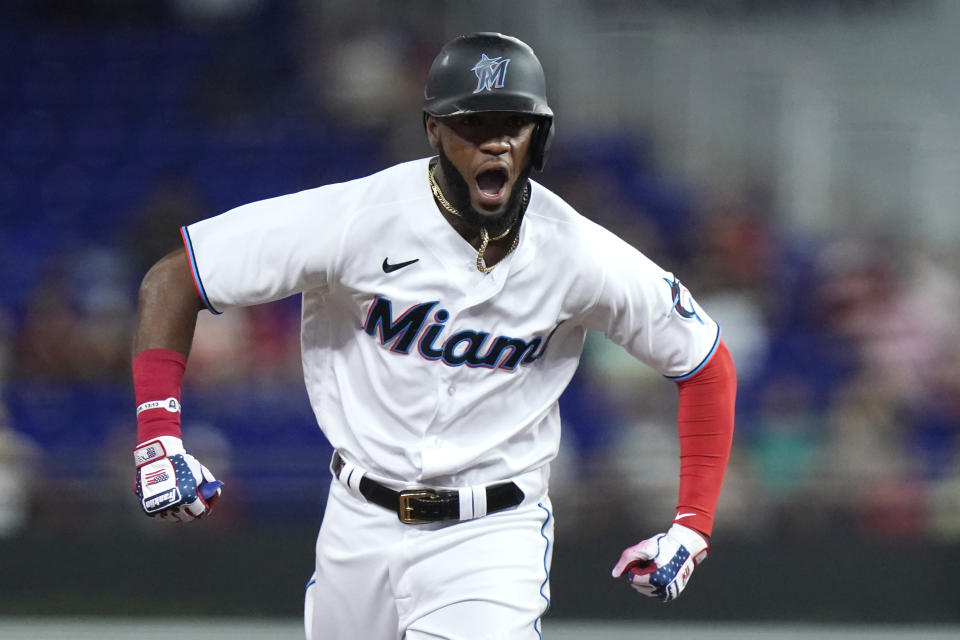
<point>516,122</point>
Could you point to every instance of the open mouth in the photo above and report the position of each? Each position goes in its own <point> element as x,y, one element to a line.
<point>492,184</point>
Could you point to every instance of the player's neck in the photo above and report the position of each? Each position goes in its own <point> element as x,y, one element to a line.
<point>501,231</point>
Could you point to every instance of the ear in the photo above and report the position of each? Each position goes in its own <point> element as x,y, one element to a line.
<point>432,126</point>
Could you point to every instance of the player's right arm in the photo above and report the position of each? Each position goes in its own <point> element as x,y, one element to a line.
<point>170,483</point>
<point>253,254</point>
<point>167,307</point>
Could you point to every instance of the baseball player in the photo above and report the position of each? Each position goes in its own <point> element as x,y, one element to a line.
<point>445,305</point>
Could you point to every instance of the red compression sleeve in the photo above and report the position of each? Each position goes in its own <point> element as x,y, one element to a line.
<point>705,425</point>
<point>157,376</point>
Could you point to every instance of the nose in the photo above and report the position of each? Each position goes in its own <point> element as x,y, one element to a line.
<point>495,143</point>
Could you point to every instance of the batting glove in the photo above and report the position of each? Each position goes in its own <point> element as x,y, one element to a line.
<point>171,483</point>
<point>661,566</point>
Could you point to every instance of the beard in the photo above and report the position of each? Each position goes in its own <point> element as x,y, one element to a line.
<point>458,194</point>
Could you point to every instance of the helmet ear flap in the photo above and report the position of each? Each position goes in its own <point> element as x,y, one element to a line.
<point>542,138</point>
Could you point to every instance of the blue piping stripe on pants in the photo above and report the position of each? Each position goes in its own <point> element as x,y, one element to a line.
<point>546,570</point>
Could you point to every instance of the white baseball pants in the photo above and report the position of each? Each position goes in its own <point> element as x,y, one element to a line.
<point>377,578</point>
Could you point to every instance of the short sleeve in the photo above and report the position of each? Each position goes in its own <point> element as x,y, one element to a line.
<point>649,312</point>
<point>266,250</point>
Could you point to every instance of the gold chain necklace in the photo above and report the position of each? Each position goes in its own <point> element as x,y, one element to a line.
<point>485,238</point>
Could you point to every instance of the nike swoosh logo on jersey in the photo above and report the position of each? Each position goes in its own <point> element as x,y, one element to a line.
<point>390,268</point>
<point>684,515</point>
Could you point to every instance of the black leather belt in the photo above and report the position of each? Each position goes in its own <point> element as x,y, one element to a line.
<point>418,506</point>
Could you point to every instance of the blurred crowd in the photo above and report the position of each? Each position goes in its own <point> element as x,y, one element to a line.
<point>845,342</point>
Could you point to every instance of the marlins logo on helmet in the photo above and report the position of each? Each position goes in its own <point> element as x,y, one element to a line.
<point>491,73</point>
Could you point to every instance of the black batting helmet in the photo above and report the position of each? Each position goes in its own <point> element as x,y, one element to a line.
<point>490,72</point>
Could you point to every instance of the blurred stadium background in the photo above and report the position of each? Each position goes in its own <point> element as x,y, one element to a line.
<point>795,162</point>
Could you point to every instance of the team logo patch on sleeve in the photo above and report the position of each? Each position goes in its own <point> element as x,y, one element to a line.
<point>682,300</point>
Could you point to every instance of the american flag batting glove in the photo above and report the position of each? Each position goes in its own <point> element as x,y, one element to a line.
<point>661,566</point>
<point>171,483</point>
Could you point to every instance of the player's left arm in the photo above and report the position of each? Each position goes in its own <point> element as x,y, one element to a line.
<point>662,565</point>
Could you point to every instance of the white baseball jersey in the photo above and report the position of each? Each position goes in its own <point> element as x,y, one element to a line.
<point>420,368</point>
